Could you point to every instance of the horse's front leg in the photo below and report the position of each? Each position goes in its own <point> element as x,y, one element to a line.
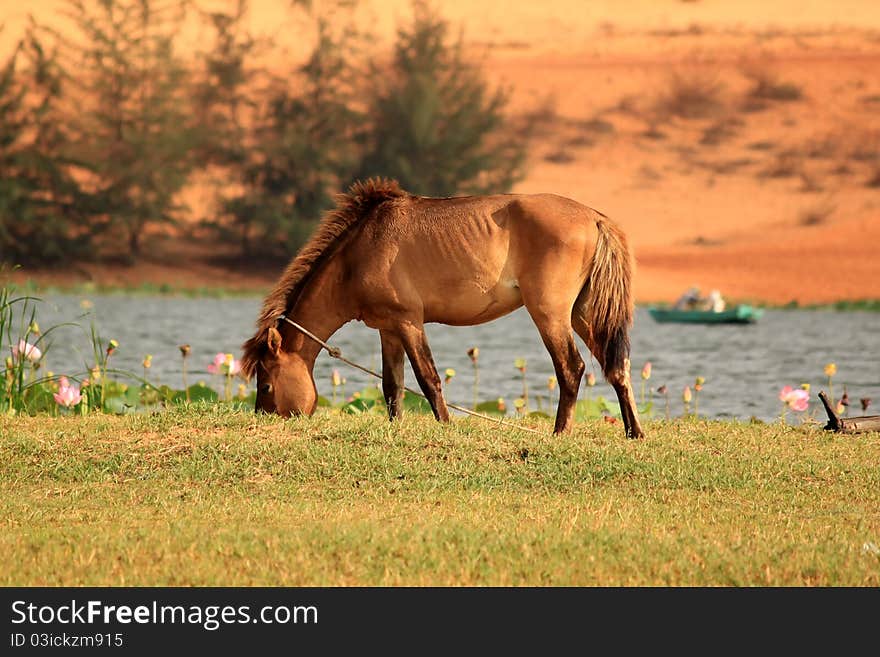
<point>392,373</point>
<point>415,343</point>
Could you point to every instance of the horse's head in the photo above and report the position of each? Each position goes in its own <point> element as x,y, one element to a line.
<point>284,381</point>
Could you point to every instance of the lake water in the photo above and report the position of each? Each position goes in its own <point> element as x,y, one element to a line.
<point>744,365</point>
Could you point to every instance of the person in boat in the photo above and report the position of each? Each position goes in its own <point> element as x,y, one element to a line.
<point>688,300</point>
<point>714,302</point>
<point>691,300</point>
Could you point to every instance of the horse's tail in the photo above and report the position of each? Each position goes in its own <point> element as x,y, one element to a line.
<point>605,302</point>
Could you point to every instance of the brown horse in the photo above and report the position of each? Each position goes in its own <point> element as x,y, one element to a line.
<point>396,261</point>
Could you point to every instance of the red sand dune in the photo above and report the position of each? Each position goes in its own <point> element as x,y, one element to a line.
<point>772,205</point>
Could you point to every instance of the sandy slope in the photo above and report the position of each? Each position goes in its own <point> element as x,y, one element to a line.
<point>771,204</point>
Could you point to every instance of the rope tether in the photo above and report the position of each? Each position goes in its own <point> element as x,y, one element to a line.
<point>335,352</point>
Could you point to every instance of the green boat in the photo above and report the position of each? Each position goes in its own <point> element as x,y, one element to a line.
<point>739,314</point>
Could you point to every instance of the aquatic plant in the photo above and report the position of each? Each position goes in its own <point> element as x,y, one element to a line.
<point>797,399</point>
<point>22,388</point>
<point>552,384</point>
<point>474,353</point>
<point>185,351</point>
<point>227,366</point>
<point>830,371</point>
<point>698,386</point>
<point>588,389</point>
<point>663,390</point>
<point>147,363</point>
<point>30,352</point>
<point>646,374</point>
<point>520,364</point>
<point>68,394</point>
<point>843,404</point>
<point>111,348</point>
<point>336,382</point>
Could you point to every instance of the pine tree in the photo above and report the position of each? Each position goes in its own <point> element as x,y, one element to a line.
<point>224,88</point>
<point>132,125</point>
<point>436,126</point>
<point>303,150</point>
<point>42,208</point>
<point>227,96</point>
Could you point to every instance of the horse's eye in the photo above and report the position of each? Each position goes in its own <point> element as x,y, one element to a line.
<point>266,388</point>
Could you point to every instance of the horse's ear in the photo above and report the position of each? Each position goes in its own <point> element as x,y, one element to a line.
<point>274,340</point>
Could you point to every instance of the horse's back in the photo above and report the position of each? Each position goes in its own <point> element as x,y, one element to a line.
<point>544,205</point>
<point>463,259</point>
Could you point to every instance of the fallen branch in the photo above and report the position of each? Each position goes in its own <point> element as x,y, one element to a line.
<point>848,424</point>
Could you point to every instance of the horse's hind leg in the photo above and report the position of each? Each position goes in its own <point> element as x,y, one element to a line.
<point>392,373</point>
<point>619,378</point>
<point>620,381</point>
<point>415,342</point>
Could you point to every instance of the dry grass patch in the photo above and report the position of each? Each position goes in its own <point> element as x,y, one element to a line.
<point>766,85</point>
<point>690,94</point>
<point>762,146</point>
<point>720,131</point>
<point>810,182</point>
<point>817,214</point>
<point>559,156</point>
<point>784,165</point>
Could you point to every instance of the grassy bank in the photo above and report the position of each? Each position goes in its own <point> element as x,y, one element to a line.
<point>219,497</point>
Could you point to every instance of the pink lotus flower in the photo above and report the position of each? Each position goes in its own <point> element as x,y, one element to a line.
<point>646,371</point>
<point>224,364</point>
<point>214,367</point>
<point>68,395</point>
<point>30,351</point>
<point>796,399</point>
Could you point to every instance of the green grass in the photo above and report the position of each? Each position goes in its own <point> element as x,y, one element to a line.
<point>213,496</point>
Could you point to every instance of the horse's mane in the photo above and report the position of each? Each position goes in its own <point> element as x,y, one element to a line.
<point>351,208</point>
